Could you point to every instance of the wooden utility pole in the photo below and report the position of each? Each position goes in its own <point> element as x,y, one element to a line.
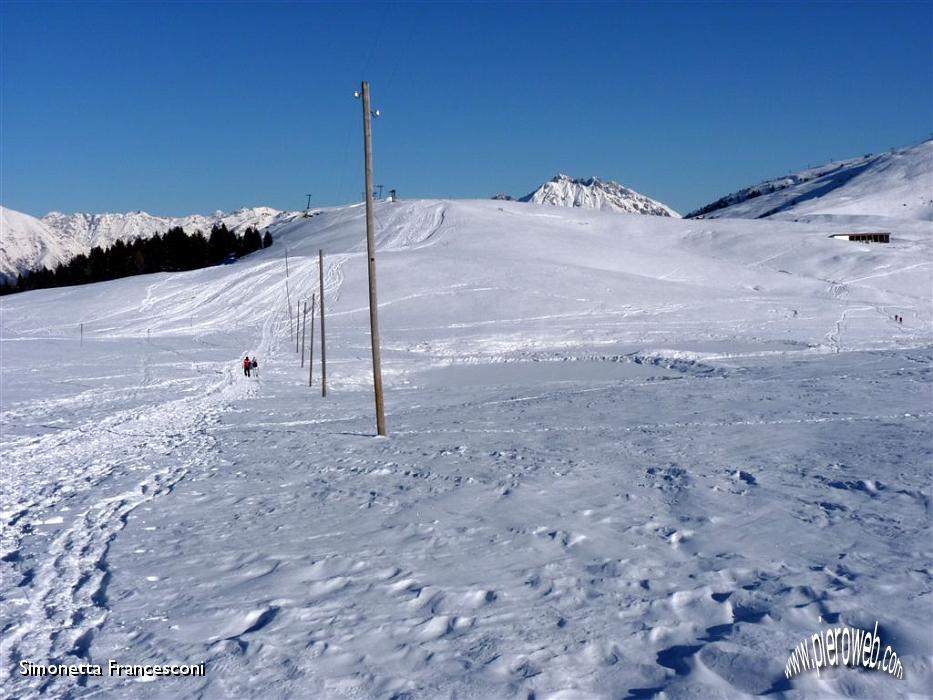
<point>304,328</point>
<point>81,331</point>
<point>297,323</point>
<point>311,345</point>
<point>371,255</point>
<point>288,298</point>
<point>320,264</point>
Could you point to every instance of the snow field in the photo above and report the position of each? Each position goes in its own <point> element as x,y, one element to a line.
<point>627,456</point>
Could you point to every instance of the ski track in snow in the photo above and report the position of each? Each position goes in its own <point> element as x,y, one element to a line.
<point>68,602</point>
<point>620,485</point>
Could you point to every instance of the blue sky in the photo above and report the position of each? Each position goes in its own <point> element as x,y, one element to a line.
<point>177,108</point>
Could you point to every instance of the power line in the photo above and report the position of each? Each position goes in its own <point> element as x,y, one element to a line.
<point>375,44</point>
<point>406,48</point>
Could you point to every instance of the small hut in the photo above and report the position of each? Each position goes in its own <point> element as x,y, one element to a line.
<point>873,237</point>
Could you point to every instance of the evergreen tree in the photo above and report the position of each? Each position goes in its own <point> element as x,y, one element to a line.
<point>251,241</point>
<point>138,262</point>
<point>232,243</point>
<point>175,244</point>
<point>175,250</point>
<point>217,246</point>
<point>80,269</point>
<point>97,264</point>
<point>62,275</point>
<point>117,257</point>
<point>197,252</point>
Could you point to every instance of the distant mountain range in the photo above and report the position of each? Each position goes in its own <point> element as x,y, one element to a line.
<point>593,193</point>
<point>897,184</point>
<point>28,243</point>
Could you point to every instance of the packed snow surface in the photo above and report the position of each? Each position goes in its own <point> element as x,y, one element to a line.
<point>895,184</point>
<point>27,243</point>
<point>628,456</point>
<point>593,193</point>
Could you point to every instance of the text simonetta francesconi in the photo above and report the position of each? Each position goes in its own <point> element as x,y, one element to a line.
<point>113,668</point>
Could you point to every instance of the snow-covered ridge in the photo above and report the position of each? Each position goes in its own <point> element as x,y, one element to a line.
<point>29,243</point>
<point>593,193</point>
<point>105,229</point>
<point>896,184</point>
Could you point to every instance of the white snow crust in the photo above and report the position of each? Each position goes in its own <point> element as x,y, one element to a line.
<point>628,456</point>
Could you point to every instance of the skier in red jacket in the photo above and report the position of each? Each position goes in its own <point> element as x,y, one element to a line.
<point>247,365</point>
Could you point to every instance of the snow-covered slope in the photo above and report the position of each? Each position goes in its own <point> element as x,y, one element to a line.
<point>896,184</point>
<point>28,242</point>
<point>628,457</point>
<point>593,193</point>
